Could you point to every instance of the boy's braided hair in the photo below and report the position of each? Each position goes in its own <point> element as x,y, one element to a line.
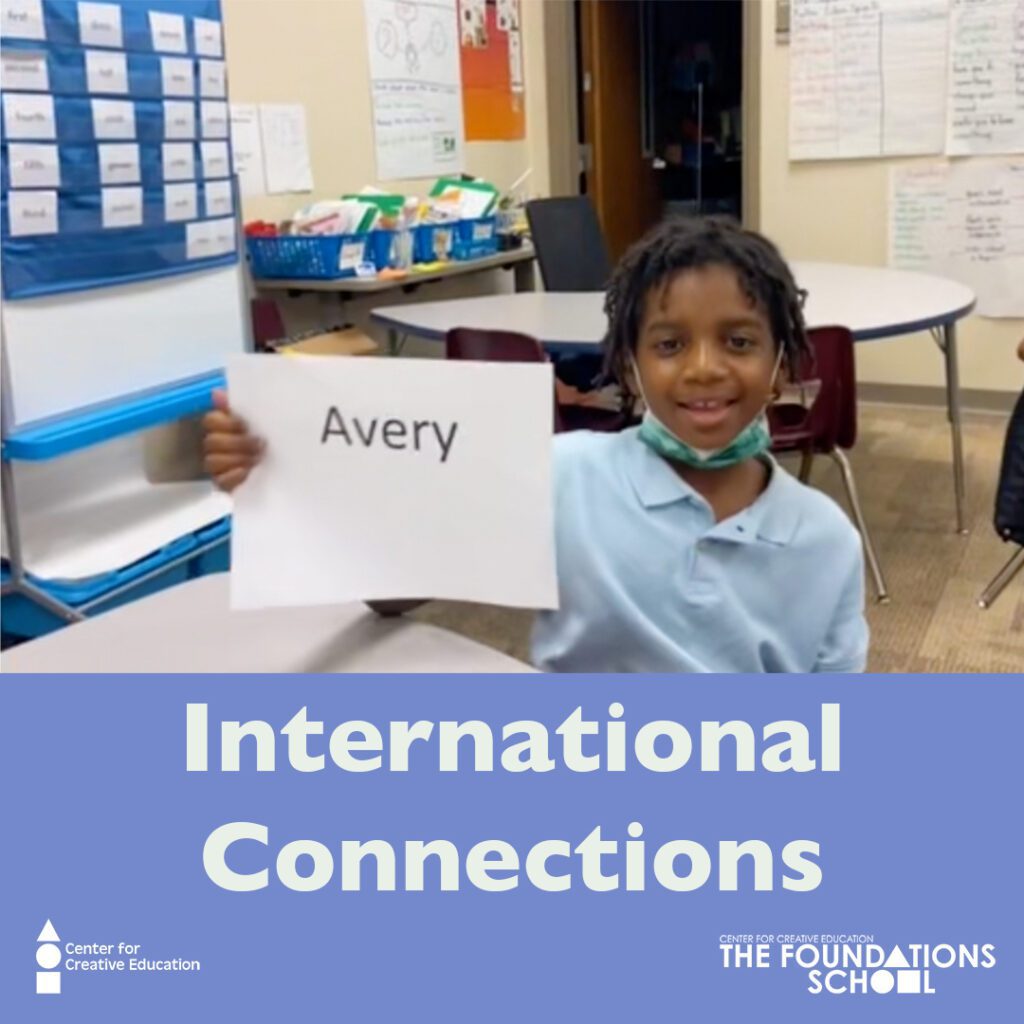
<point>688,243</point>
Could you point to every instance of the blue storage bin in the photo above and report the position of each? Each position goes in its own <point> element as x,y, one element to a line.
<point>475,238</point>
<point>432,242</point>
<point>217,559</point>
<point>24,618</point>
<point>379,246</point>
<point>321,257</point>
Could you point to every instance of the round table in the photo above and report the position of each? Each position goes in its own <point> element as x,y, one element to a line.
<point>190,628</point>
<point>873,302</point>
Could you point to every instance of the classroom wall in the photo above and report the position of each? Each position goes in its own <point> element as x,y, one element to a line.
<point>836,210</point>
<point>314,52</point>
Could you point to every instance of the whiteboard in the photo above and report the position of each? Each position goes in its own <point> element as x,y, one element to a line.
<point>71,351</point>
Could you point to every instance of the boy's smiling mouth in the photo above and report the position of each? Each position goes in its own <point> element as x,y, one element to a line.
<point>706,413</point>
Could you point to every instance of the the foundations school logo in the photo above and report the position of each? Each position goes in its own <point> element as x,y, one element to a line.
<point>56,957</point>
<point>845,965</point>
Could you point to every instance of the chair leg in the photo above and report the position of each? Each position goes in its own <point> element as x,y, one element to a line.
<point>1002,578</point>
<point>806,462</point>
<point>869,548</point>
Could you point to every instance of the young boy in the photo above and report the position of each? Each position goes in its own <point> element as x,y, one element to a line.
<point>681,545</point>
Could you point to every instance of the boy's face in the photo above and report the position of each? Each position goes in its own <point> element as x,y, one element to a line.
<point>705,355</point>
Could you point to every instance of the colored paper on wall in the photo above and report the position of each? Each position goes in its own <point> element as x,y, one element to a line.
<point>491,55</point>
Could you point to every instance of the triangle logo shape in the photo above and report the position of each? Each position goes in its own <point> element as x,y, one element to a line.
<point>49,933</point>
<point>896,958</point>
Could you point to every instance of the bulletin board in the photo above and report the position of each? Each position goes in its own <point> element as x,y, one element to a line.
<point>118,214</point>
<point>491,57</point>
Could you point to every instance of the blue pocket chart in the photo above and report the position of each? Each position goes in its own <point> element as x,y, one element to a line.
<point>115,164</point>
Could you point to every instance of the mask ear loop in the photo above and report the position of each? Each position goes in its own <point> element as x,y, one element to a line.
<point>774,391</point>
<point>639,382</point>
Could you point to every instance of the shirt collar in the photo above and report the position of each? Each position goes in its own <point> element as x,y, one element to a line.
<point>773,517</point>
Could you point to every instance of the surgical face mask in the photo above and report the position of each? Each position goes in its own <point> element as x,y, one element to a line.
<point>754,439</point>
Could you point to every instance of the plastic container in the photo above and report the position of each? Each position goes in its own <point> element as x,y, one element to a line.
<point>432,242</point>
<point>379,248</point>
<point>320,257</point>
<point>22,617</point>
<point>475,239</point>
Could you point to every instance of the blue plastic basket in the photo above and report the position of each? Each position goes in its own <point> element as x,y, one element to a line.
<point>323,257</point>
<point>475,238</point>
<point>432,242</point>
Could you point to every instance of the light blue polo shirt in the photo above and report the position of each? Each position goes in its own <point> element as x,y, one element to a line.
<point>649,582</point>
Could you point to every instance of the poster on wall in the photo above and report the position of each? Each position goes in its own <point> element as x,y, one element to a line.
<point>963,220</point>
<point>414,80</point>
<point>491,54</point>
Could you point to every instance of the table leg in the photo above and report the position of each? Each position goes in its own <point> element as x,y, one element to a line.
<point>523,280</point>
<point>953,402</point>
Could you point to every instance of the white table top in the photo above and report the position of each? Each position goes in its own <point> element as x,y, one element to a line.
<point>874,302</point>
<point>368,285</point>
<point>189,628</point>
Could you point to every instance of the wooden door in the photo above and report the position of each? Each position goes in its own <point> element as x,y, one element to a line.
<point>619,179</point>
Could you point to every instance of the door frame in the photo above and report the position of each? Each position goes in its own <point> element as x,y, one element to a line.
<point>563,102</point>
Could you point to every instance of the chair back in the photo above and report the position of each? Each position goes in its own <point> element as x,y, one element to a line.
<point>831,420</point>
<point>498,347</point>
<point>267,323</point>
<point>570,247</point>
<point>1009,514</point>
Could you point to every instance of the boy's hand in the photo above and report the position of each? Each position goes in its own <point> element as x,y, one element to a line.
<point>229,450</point>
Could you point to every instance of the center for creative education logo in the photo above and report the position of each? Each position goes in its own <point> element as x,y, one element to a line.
<point>55,957</point>
<point>856,964</point>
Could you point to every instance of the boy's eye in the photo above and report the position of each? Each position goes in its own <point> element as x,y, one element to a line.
<point>740,342</point>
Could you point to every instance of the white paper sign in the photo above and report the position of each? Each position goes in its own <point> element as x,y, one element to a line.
<point>100,25</point>
<point>168,32</point>
<point>106,72</point>
<point>113,119</point>
<point>21,70</point>
<point>247,149</point>
<point>29,117</point>
<point>122,207</point>
<point>285,148</point>
<point>33,166</point>
<point>180,202</point>
<point>32,213</point>
<point>215,159</point>
<point>119,163</point>
<point>212,81</point>
<point>208,41</point>
<point>177,76</point>
<point>392,478</point>
<point>22,19</point>
<point>218,198</point>
<point>179,161</point>
<point>215,119</point>
<point>179,120</point>
<point>206,238</point>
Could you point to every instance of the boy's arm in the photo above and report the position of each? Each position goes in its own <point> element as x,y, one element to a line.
<point>845,647</point>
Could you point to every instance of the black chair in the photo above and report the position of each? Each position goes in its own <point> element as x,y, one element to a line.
<point>573,257</point>
<point>570,248</point>
<point>1009,515</point>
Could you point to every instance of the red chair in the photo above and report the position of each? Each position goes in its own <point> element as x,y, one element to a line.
<point>267,324</point>
<point>829,425</point>
<point>512,347</point>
